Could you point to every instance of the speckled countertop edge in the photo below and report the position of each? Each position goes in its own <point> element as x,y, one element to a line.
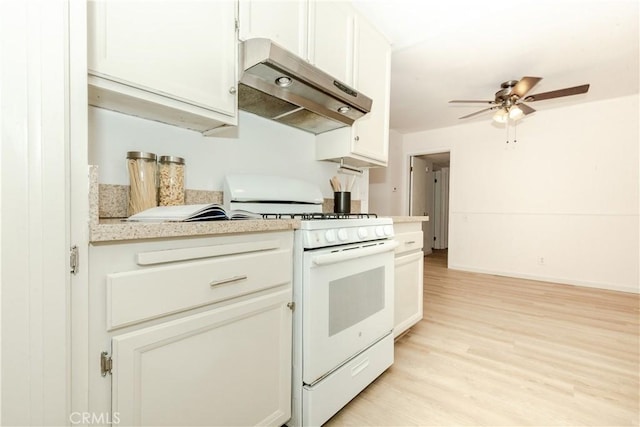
<point>116,230</point>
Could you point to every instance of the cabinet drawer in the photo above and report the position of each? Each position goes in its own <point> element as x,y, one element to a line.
<point>409,242</point>
<point>136,296</point>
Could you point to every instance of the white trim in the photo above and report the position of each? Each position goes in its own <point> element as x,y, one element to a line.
<point>79,208</point>
<point>550,279</point>
<point>405,171</point>
<point>406,185</point>
<point>2,37</point>
<point>35,274</point>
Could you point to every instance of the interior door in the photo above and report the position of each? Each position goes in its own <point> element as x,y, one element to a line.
<point>419,186</point>
<point>441,209</point>
<point>422,197</point>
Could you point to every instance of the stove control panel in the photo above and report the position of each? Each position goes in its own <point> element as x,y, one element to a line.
<point>325,233</point>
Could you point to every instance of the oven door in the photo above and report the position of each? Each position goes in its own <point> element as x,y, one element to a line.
<point>347,296</point>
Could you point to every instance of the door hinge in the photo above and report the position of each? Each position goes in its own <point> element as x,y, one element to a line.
<point>237,26</point>
<point>106,363</point>
<point>74,259</point>
<point>291,305</point>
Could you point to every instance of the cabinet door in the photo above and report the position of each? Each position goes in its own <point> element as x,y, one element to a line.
<point>283,21</point>
<point>227,366</point>
<point>372,77</point>
<point>184,50</point>
<point>408,291</point>
<point>366,143</point>
<point>331,38</point>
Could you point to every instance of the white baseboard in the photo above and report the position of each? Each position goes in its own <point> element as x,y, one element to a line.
<point>564,281</point>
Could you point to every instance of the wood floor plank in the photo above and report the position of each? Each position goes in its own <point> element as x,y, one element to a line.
<point>502,351</point>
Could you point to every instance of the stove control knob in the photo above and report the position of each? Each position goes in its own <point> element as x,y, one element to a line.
<point>330,235</point>
<point>380,231</point>
<point>342,234</point>
<point>388,230</point>
<point>362,232</point>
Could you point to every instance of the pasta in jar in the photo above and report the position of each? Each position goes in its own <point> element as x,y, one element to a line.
<point>171,180</point>
<point>142,169</point>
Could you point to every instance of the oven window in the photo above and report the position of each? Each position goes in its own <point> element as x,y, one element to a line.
<point>354,298</point>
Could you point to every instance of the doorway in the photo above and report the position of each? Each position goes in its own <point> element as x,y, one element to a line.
<point>429,195</point>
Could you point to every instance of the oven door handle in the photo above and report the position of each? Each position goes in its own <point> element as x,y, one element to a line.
<point>349,254</point>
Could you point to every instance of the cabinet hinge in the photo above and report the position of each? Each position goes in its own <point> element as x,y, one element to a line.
<point>106,363</point>
<point>74,260</point>
<point>291,305</point>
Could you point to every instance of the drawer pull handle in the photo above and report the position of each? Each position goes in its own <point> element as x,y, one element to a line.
<point>229,280</point>
<point>359,367</point>
<point>410,242</point>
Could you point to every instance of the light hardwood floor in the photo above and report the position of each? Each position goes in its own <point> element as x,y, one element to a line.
<point>501,351</point>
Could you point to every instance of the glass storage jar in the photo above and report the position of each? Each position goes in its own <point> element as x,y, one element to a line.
<point>171,180</point>
<point>143,172</point>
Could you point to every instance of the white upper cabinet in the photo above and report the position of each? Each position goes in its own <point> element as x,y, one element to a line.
<point>335,38</point>
<point>372,77</point>
<point>284,22</point>
<point>171,61</point>
<point>366,143</point>
<point>331,38</point>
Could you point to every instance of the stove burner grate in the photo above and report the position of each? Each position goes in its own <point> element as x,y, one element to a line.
<point>317,216</point>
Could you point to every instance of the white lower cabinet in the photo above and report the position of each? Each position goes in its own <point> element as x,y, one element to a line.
<point>212,368</point>
<point>218,353</point>
<point>409,268</point>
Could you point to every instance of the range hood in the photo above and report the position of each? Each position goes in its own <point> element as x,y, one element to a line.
<point>281,86</point>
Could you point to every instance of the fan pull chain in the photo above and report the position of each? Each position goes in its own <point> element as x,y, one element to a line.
<point>507,126</point>
<point>515,132</point>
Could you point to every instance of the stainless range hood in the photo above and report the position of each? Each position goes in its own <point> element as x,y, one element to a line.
<point>279,85</point>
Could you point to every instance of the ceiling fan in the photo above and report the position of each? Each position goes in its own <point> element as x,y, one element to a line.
<point>509,100</point>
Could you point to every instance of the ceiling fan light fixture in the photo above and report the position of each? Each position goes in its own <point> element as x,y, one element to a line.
<point>514,92</point>
<point>501,116</point>
<point>516,113</point>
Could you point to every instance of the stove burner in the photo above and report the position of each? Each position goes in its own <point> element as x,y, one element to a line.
<point>315,216</point>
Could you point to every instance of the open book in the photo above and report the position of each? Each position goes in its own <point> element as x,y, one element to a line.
<point>186,213</point>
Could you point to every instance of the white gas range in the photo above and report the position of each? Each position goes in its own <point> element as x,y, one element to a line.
<point>342,289</point>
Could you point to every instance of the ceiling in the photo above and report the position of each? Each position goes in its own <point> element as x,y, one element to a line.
<point>464,49</point>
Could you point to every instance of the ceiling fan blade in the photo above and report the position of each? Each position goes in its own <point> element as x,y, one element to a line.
<point>526,109</point>
<point>472,101</point>
<point>478,112</point>
<point>524,85</point>
<point>576,90</point>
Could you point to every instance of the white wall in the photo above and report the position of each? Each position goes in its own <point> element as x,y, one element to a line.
<point>385,184</point>
<point>257,145</point>
<point>561,204</point>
